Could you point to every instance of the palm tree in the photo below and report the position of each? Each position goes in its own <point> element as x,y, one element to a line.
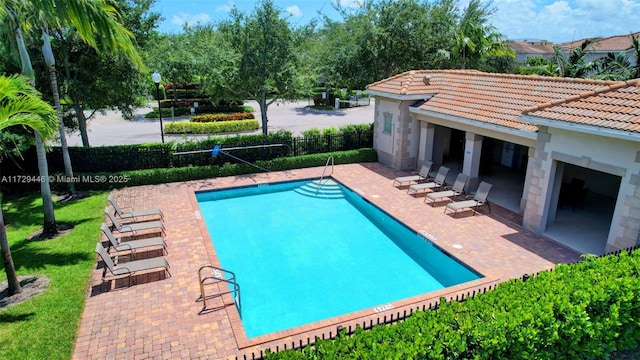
<point>622,66</point>
<point>21,106</point>
<point>574,65</point>
<point>10,14</point>
<point>93,20</point>
<point>97,24</point>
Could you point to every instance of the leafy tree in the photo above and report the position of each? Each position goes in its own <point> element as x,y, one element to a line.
<point>98,79</point>
<point>20,105</point>
<point>574,65</point>
<point>384,38</point>
<point>96,23</point>
<point>266,63</point>
<point>12,13</point>
<point>622,66</point>
<point>475,39</point>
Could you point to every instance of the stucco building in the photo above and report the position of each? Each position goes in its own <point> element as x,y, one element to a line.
<point>563,141</point>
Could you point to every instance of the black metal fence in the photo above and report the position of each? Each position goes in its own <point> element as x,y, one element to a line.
<point>149,156</point>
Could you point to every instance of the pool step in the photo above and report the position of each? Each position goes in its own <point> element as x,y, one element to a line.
<point>325,188</point>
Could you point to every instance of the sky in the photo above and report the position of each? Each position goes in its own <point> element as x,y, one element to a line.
<point>552,20</point>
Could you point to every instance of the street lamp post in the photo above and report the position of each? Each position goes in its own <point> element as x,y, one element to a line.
<point>156,79</point>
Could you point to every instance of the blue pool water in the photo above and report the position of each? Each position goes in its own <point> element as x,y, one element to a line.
<point>300,259</point>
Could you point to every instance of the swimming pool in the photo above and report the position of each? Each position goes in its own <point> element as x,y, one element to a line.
<point>301,258</point>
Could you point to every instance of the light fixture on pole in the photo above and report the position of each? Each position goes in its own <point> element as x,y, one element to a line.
<point>156,79</point>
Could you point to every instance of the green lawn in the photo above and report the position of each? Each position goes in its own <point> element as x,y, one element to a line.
<point>45,327</point>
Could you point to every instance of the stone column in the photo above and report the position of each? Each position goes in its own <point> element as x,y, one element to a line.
<point>471,165</point>
<point>527,178</point>
<point>427,134</point>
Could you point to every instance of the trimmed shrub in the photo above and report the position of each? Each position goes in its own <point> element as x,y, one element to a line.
<point>222,117</point>
<point>110,180</point>
<point>586,310</point>
<point>210,127</point>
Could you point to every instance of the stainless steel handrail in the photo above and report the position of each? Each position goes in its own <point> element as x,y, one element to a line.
<point>323,173</point>
<point>218,275</point>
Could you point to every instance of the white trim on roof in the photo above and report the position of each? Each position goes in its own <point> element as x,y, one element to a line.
<point>398,96</point>
<point>587,129</point>
<point>481,124</point>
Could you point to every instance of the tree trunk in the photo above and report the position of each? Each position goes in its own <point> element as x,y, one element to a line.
<point>263,113</point>
<point>47,52</point>
<point>9,268</point>
<point>50,227</point>
<point>82,123</point>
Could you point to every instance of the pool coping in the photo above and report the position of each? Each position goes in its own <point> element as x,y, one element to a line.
<point>351,319</point>
<point>159,317</point>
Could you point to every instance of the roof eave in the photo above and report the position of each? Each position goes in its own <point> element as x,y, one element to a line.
<point>531,135</point>
<point>398,96</point>
<point>586,129</point>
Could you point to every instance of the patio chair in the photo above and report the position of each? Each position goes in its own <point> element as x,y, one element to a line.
<point>132,245</point>
<point>134,228</point>
<point>133,214</point>
<point>437,183</point>
<point>456,190</point>
<point>130,268</point>
<point>422,176</point>
<point>479,199</point>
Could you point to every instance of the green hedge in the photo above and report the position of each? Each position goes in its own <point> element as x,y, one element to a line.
<point>184,127</point>
<point>586,310</point>
<point>222,117</point>
<point>114,180</point>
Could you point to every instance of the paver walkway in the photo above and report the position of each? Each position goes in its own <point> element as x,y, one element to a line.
<point>159,318</point>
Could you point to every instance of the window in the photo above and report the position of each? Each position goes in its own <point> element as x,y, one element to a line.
<point>387,123</point>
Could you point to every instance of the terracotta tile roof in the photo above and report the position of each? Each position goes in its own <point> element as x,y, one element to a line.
<point>617,108</point>
<point>528,47</point>
<point>612,43</point>
<point>490,98</point>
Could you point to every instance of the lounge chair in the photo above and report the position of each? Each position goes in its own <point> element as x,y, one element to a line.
<point>130,268</point>
<point>456,190</point>
<point>479,199</point>
<point>133,245</point>
<point>134,228</point>
<point>133,214</point>
<point>422,176</point>
<point>437,183</point>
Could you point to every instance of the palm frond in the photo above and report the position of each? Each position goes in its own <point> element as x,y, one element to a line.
<point>21,105</point>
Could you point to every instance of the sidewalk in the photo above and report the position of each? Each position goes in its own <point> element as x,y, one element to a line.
<point>112,129</point>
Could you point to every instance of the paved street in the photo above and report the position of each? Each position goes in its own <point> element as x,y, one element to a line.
<point>112,129</point>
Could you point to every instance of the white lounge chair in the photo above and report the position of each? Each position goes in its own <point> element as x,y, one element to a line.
<point>134,228</point>
<point>479,199</point>
<point>437,183</point>
<point>129,268</point>
<point>422,176</point>
<point>456,190</point>
<point>133,245</point>
<point>131,214</point>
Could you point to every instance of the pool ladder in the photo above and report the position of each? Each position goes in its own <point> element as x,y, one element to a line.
<point>320,183</point>
<point>214,277</point>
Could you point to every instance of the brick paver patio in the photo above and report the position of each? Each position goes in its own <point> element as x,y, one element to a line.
<point>159,317</point>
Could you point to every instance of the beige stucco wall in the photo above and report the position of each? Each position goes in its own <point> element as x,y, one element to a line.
<point>612,156</point>
<point>399,148</point>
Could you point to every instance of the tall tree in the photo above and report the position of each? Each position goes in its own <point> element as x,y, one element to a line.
<point>574,64</point>
<point>475,38</point>
<point>266,65</point>
<point>97,23</point>
<point>623,66</point>
<point>97,80</point>
<point>12,14</point>
<point>20,105</point>
<point>383,38</point>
